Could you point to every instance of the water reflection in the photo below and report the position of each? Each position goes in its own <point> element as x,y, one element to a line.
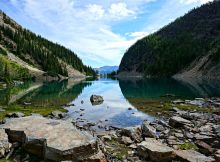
<point>119,95</point>
<point>158,88</point>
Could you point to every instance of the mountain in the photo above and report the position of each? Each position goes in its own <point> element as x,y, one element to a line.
<point>35,56</point>
<point>106,69</point>
<point>187,47</point>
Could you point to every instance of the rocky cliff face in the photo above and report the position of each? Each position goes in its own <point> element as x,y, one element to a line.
<point>188,47</point>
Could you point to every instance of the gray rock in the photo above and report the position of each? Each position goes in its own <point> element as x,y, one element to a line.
<point>217,155</point>
<point>54,140</point>
<point>95,99</point>
<point>106,138</point>
<point>57,114</point>
<point>4,143</point>
<point>160,128</point>
<point>205,128</point>
<point>151,149</point>
<point>178,101</point>
<point>197,102</point>
<point>177,121</point>
<point>126,140</point>
<point>133,132</point>
<point>204,138</point>
<point>192,156</point>
<point>99,157</point>
<point>148,131</point>
<point>204,147</point>
<point>217,128</point>
<point>189,135</point>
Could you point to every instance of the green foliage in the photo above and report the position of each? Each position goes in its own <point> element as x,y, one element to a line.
<point>188,146</point>
<point>11,71</point>
<point>42,52</point>
<point>28,110</point>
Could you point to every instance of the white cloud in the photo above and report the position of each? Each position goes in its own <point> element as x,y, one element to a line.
<point>195,1</point>
<point>118,10</point>
<point>97,11</point>
<point>138,34</point>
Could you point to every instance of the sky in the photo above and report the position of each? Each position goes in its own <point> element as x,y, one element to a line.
<point>98,31</point>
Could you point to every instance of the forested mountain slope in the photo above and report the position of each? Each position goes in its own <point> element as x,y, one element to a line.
<point>31,50</point>
<point>187,47</point>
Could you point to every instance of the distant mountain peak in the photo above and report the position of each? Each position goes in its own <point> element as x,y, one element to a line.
<point>107,69</point>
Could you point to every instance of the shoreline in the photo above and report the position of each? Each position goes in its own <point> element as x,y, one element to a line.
<point>177,131</point>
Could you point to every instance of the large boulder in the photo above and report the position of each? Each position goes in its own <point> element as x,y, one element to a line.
<point>177,122</point>
<point>192,156</point>
<point>147,130</point>
<point>95,99</point>
<point>4,143</point>
<point>50,139</point>
<point>151,149</point>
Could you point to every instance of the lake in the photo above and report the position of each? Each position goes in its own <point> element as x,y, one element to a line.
<point>127,102</point>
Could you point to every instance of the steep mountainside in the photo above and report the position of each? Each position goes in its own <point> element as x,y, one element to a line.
<point>36,54</point>
<point>187,47</point>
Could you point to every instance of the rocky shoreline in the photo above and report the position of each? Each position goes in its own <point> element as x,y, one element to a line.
<point>183,135</point>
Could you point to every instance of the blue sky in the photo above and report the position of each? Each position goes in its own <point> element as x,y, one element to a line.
<point>99,31</point>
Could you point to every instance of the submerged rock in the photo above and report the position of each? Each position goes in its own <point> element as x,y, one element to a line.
<point>50,139</point>
<point>151,149</point>
<point>192,156</point>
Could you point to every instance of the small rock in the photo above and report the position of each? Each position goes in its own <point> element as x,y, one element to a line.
<point>129,108</point>
<point>57,114</point>
<point>15,115</point>
<point>177,122</point>
<point>160,128</point>
<point>178,102</point>
<point>204,147</point>
<point>154,150</point>
<point>217,155</point>
<point>178,135</point>
<point>107,138</point>
<point>192,156</point>
<point>203,138</point>
<point>133,132</point>
<point>126,140</point>
<point>148,131</point>
<point>133,146</point>
<point>189,135</point>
